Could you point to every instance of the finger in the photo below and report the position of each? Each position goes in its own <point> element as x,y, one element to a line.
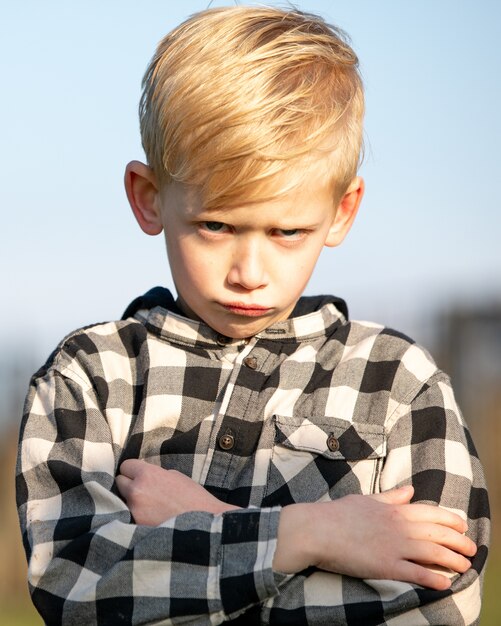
<point>433,514</point>
<point>402,495</point>
<point>428,553</point>
<point>409,572</point>
<point>131,467</point>
<point>445,536</point>
<point>123,484</point>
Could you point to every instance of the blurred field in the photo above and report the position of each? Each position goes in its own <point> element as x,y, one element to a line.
<point>491,611</point>
<point>19,614</point>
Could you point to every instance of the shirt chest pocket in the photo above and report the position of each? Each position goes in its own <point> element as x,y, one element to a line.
<point>323,459</point>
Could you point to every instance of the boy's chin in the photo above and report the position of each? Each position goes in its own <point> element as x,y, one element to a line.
<point>240,328</point>
<point>239,331</point>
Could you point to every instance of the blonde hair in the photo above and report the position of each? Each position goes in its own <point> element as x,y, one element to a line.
<point>236,98</point>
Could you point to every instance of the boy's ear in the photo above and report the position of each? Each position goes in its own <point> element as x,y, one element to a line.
<point>142,192</point>
<point>346,212</point>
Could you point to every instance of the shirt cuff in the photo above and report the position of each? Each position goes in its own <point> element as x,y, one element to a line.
<point>249,539</point>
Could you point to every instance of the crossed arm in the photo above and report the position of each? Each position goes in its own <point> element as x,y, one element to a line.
<point>381,536</point>
<point>183,560</point>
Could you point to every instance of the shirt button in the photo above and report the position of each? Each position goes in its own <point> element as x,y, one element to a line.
<point>332,443</point>
<point>251,362</point>
<point>223,340</point>
<point>226,442</point>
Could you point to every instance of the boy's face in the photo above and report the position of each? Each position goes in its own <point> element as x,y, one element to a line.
<point>242,269</point>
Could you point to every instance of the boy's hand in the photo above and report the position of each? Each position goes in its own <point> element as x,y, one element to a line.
<point>381,536</point>
<point>154,494</point>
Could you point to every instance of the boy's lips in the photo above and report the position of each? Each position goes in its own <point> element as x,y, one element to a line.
<point>249,310</point>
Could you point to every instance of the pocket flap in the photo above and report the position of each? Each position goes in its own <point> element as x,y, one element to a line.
<point>333,438</point>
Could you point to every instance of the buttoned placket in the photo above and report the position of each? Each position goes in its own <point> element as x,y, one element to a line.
<point>223,440</point>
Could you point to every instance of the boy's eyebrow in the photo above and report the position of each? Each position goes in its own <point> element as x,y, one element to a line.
<point>224,216</point>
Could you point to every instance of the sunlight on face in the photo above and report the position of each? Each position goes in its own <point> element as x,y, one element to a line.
<point>242,269</point>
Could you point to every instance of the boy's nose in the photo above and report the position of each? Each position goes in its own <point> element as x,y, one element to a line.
<point>248,267</point>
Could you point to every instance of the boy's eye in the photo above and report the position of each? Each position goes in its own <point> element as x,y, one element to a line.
<point>213,227</point>
<point>290,233</point>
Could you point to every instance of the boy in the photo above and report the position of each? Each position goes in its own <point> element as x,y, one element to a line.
<point>243,453</point>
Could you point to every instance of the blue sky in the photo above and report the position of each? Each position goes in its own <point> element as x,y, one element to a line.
<point>429,230</point>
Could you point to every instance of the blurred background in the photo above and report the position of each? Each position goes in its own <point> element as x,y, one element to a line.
<point>424,255</point>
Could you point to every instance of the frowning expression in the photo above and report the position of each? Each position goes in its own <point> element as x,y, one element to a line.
<point>242,269</point>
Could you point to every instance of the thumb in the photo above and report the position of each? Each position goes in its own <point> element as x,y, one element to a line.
<point>131,467</point>
<point>402,495</point>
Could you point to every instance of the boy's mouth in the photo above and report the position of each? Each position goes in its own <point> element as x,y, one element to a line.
<point>249,310</point>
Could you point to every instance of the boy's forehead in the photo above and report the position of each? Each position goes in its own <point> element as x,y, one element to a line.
<point>310,176</point>
<point>305,204</point>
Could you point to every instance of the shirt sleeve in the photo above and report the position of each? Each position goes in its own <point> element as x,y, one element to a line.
<point>89,563</point>
<point>429,446</point>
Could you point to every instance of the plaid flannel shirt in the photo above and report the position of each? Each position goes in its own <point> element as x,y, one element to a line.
<point>311,409</point>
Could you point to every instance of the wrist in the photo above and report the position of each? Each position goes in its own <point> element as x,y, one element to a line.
<point>296,539</point>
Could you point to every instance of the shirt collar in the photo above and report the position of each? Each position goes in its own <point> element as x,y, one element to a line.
<point>312,317</point>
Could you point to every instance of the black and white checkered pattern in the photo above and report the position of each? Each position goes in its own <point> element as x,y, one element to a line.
<point>160,387</point>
